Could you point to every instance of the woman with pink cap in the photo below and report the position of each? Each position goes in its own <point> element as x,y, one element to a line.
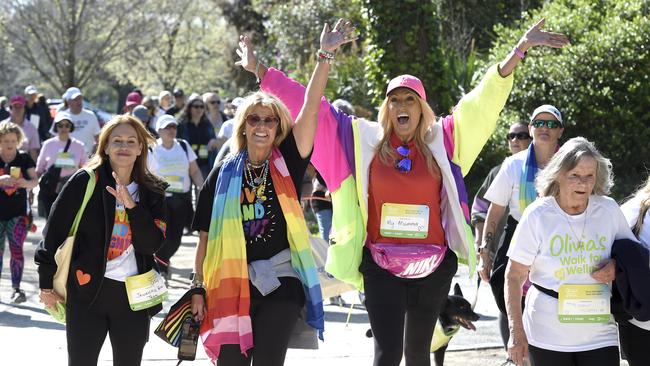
<point>398,195</point>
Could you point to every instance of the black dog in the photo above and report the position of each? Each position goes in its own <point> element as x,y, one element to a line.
<point>457,313</point>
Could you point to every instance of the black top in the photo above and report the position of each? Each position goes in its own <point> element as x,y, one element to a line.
<point>13,201</point>
<point>94,234</point>
<point>264,226</point>
<point>45,119</point>
<point>316,204</point>
<point>197,135</point>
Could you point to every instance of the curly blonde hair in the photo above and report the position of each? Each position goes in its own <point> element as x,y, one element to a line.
<point>7,127</point>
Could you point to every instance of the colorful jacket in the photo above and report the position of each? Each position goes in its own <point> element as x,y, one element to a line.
<point>344,148</point>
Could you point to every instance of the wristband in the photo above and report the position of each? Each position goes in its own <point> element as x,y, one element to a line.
<point>257,71</point>
<point>520,54</point>
<point>325,56</point>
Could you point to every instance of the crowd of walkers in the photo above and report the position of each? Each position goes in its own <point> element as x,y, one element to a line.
<point>388,196</point>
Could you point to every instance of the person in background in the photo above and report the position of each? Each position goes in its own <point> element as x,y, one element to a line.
<point>226,129</point>
<point>86,125</point>
<point>4,113</point>
<point>634,334</point>
<point>164,101</point>
<point>179,102</point>
<point>195,128</point>
<point>132,100</point>
<point>121,228</point>
<point>229,110</point>
<point>214,113</point>
<point>143,115</point>
<point>17,175</point>
<point>518,139</point>
<point>37,112</point>
<point>562,245</point>
<point>152,109</point>
<point>30,141</point>
<point>52,155</point>
<point>174,161</point>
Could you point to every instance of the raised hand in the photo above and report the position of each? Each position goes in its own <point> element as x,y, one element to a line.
<point>246,53</point>
<point>535,36</point>
<point>332,39</point>
<point>121,193</point>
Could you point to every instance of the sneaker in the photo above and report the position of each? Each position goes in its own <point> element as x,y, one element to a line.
<point>18,296</point>
<point>337,300</point>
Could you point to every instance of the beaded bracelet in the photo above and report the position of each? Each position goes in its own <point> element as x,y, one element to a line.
<point>325,56</point>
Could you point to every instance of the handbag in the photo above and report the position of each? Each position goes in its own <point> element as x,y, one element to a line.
<point>50,179</point>
<point>169,330</point>
<point>63,254</point>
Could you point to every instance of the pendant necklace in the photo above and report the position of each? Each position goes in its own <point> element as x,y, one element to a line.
<point>257,183</point>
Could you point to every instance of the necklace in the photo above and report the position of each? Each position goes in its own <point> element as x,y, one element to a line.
<point>584,224</point>
<point>257,183</point>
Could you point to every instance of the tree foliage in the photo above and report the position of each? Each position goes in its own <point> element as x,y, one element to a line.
<point>601,82</point>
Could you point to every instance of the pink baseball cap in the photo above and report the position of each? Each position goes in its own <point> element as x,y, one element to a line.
<point>407,81</point>
<point>17,99</point>
<point>133,99</point>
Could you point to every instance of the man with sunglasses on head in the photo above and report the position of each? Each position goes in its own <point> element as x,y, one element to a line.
<point>513,189</point>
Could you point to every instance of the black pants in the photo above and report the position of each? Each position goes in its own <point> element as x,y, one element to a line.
<point>635,343</point>
<point>273,321</point>
<point>45,201</point>
<point>497,278</point>
<point>607,356</point>
<point>86,328</point>
<point>178,207</point>
<point>404,312</point>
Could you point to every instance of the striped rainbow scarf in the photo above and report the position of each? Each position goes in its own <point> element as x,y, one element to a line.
<point>527,191</point>
<point>225,267</point>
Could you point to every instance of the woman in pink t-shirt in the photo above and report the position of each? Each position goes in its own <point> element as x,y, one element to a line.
<point>55,163</point>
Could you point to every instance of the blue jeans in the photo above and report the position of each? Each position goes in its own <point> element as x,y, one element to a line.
<point>324,218</point>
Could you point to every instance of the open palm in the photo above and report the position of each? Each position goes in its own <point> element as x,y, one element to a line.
<point>332,39</point>
<point>246,53</point>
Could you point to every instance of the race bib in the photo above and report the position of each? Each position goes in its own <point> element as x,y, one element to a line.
<point>584,303</point>
<point>65,160</point>
<point>404,221</point>
<point>175,183</point>
<point>146,290</point>
<point>203,151</point>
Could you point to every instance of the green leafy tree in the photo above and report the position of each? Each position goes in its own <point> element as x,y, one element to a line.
<point>601,82</point>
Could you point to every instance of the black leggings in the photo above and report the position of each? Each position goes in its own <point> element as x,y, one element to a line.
<point>273,321</point>
<point>178,208</point>
<point>403,312</point>
<point>607,356</point>
<point>86,328</point>
<point>497,279</point>
<point>635,343</point>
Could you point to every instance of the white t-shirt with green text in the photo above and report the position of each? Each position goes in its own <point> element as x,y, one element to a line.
<point>546,240</point>
<point>173,165</point>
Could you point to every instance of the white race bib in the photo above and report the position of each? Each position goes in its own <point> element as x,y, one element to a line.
<point>404,221</point>
<point>65,160</point>
<point>175,183</point>
<point>146,290</point>
<point>584,303</point>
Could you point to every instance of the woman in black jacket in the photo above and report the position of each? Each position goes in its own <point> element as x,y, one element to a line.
<point>121,228</point>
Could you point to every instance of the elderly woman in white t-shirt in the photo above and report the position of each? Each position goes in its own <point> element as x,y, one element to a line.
<point>175,162</point>
<point>563,244</point>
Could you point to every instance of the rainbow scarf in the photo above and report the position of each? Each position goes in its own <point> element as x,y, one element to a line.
<point>527,191</point>
<point>225,267</point>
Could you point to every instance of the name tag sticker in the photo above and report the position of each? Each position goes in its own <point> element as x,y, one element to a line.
<point>146,290</point>
<point>584,303</point>
<point>404,221</point>
<point>175,183</point>
<point>64,160</point>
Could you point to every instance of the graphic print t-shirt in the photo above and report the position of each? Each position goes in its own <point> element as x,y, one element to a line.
<point>559,251</point>
<point>121,256</point>
<point>265,228</point>
<point>13,200</point>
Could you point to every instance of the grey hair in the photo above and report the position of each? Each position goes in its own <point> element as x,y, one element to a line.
<point>345,106</point>
<point>567,158</point>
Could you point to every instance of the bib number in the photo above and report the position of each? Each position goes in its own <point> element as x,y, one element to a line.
<point>203,152</point>
<point>584,303</point>
<point>64,160</point>
<point>175,183</point>
<point>146,290</point>
<point>404,221</point>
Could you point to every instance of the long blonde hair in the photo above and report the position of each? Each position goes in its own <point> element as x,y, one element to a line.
<point>140,173</point>
<point>644,193</point>
<point>423,135</point>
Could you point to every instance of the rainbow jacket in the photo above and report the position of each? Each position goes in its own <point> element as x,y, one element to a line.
<point>345,146</point>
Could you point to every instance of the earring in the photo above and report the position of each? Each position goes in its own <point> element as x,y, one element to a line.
<point>244,133</point>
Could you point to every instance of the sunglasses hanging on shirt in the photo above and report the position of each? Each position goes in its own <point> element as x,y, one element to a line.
<point>404,164</point>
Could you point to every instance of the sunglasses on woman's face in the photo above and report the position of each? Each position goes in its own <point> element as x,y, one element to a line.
<point>63,125</point>
<point>548,123</point>
<point>404,164</point>
<point>215,102</point>
<point>197,106</point>
<point>518,136</point>
<point>254,120</point>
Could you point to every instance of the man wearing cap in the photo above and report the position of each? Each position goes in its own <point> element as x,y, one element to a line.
<point>37,113</point>
<point>60,157</point>
<point>179,102</point>
<point>86,125</point>
<point>174,160</point>
<point>513,188</point>
<point>132,100</point>
<point>32,142</point>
